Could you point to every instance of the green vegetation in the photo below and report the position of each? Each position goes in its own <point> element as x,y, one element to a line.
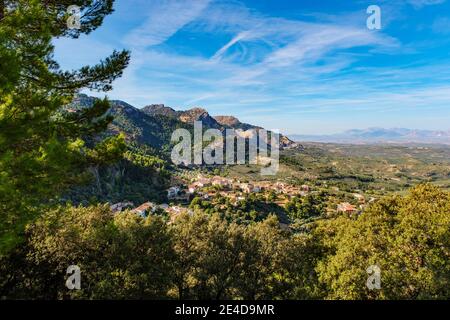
<point>203,256</point>
<point>65,158</point>
<point>371,168</point>
<point>374,170</point>
<point>306,207</point>
<point>43,149</point>
<point>407,237</point>
<point>251,208</point>
<point>140,128</point>
<point>137,177</point>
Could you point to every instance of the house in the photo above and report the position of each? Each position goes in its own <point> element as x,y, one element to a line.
<point>121,206</point>
<point>175,211</point>
<point>192,188</point>
<point>250,188</point>
<point>172,192</point>
<point>183,197</point>
<point>203,182</point>
<point>144,209</point>
<point>346,208</point>
<point>163,206</point>
<point>304,188</point>
<point>279,187</point>
<point>246,187</point>
<point>219,181</point>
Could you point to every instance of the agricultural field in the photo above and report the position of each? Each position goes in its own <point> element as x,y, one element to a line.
<point>377,169</point>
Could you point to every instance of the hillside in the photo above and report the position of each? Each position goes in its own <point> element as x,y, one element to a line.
<point>377,169</point>
<point>153,125</point>
<point>140,127</point>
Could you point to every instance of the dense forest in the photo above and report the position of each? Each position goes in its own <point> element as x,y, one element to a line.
<point>204,256</point>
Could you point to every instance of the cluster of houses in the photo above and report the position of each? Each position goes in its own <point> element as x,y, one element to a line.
<point>182,193</point>
<point>231,188</point>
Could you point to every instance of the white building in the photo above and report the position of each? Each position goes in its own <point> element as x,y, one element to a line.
<point>250,188</point>
<point>172,192</point>
<point>219,181</point>
<point>144,209</point>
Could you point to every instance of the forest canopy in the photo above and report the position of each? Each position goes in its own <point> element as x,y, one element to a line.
<point>202,256</point>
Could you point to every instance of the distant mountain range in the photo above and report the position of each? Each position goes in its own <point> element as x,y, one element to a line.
<point>379,136</point>
<point>154,124</point>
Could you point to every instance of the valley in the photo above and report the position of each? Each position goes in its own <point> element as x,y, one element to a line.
<point>325,179</point>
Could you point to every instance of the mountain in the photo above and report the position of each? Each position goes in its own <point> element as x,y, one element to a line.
<point>152,130</point>
<point>380,135</point>
<point>153,125</point>
<point>233,122</point>
<point>160,109</point>
<point>142,175</point>
<point>199,114</point>
<point>144,172</point>
<point>187,116</point>
<point>218,122</point>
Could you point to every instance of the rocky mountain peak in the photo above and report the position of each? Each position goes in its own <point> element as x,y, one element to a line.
<point>159,109</point>
<point>229,121</point>
<point>199,114</point>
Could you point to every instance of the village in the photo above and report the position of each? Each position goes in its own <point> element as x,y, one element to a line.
<point>183,191</point>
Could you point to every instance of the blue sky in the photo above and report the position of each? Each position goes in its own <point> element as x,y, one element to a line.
<point>303,66</point>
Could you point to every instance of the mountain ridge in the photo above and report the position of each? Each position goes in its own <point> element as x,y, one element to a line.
<point>154,123</point>
<point>377,135</point>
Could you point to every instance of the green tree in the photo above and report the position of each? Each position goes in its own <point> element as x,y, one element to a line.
<point>264,274</point>
<point>305,207</point>
<point>408,238</point>
<point>44,146</point>
<point>121,256</point>
<point>210,253</point>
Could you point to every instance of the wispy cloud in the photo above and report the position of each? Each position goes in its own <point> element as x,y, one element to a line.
<point>165,18</point>
<point>280,71</point>
<point>285,55</point>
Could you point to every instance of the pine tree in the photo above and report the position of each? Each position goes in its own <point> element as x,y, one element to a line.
<point>44,146</point>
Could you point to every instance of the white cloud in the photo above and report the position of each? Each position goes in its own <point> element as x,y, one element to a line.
<point>285,51</point>
<point>165,18</point>
<point>268,65</point>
